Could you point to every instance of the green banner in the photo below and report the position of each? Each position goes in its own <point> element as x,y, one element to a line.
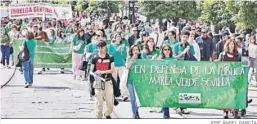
<point>189,84</point>
<point>49,55</point>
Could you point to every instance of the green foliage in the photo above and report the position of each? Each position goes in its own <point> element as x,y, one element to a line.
<point>215,12</point>
<point>244,13</point>
<point>169,9</point>
<point>102,7</point>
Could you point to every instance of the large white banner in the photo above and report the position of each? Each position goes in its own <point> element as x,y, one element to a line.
<point>62,11</point>
<point>28,10</point>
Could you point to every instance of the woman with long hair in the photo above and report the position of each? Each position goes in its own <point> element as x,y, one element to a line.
<point>52,36</point>
<point>166,54</point>
<point>171,39</point>
<point>252,48</point>
<point>231,54</point>
<point>5,48</point>
<point>150,51</point>
<point>78,46</point>
<point>134,54</point>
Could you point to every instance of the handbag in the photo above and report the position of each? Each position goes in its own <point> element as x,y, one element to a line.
<point>83,64</point>
<point>123,81</point>
<point>190,57</point>
<point>24,55</point>
<point>116,89</point>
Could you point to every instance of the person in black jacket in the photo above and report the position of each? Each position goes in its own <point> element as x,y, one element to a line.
<point>90,33</point>
<point>220,45</point>
<point>133,37</point>
<point>206,46</point>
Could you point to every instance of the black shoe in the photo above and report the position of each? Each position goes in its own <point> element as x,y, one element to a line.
<point>137,115</point>
<point>43,69</point>
<point>40,72</point>
<point>125,99</point>
<point>108,117</point>
<point>250,101</point>
<point>166,117</point>
<point>236,116</point>
<point>116,102</point>
<point>48,68</point>
<point>225,115</point>
<point>243,112</point>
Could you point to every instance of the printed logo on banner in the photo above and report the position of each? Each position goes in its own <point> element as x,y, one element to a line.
<point>189,97</point>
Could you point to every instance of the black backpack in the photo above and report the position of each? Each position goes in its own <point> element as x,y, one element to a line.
<point>24,56</point>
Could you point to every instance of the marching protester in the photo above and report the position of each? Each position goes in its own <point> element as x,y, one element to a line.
<point>206,46</point>
<point>171,39</point>
<point>134,54</point>
<point>230,54</point>
<point>5,48</point>
<point>14,35</point>
<point>103,65</point>
<point>220,44</point>
<point>77,46</point>
<point>191,40</point>
<point>28,66</point>
<point>132,39</point>
<point>91,52</point>
<point>166,54</point>
<point>252,48</point>
<point>184,51</point>
<point>150,51</point>
<point>119,51</point>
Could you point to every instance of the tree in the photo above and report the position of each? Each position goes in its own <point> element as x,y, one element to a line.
<point>102,7</point>
<point>215,12</point>
<point>169,9</point>
<point>244,13</point>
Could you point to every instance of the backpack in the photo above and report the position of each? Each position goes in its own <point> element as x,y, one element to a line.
<point>24,55</point>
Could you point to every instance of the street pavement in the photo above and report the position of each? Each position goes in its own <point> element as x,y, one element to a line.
<point>56,95</point>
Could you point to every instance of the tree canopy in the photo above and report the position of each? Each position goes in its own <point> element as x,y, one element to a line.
<point>229,13</point>
<point>169,9</point>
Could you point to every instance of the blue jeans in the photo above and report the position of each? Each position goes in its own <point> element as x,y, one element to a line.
<point>5,49</point>
<point>132,95</point>
<point>166,112</point>
<point>28,69</point>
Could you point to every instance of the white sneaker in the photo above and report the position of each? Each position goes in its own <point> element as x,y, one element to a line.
<point>185,111</point>
<point>40,72</point>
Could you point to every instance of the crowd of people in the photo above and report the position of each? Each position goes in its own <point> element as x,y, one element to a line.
<point>110,46</point>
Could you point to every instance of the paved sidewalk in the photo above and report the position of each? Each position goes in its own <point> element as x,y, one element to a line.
<point>56,95</point>
<point>6,74</point>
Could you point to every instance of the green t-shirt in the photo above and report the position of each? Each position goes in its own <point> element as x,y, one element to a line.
<point>170,58</point>
<point>8,29</point>
<point>5,39</point>
<point>179,48</point>
<point>31,44</point>
<point>144,56</point>
<point>77,42</point>
<point>51,39</point>
<point>171,43</point>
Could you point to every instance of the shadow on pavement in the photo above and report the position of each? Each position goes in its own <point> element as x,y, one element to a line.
<point>206,114</point>
<point>40,87</point>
